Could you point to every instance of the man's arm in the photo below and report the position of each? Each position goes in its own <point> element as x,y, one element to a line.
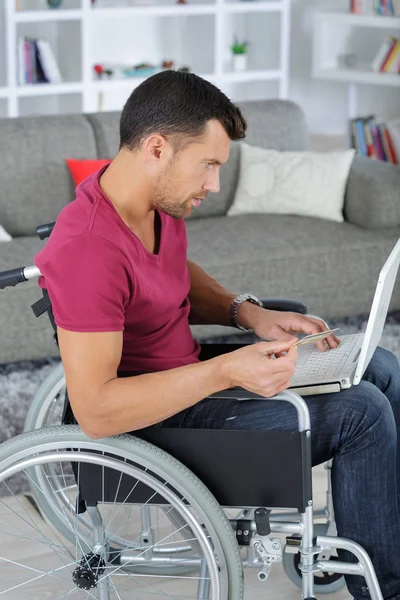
<point>105,404</point>
<point>210,301</point>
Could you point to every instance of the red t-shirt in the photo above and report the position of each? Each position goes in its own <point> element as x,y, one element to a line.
<point>100,277</point>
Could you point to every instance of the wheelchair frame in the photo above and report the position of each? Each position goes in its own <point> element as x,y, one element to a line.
<point>265,549</point>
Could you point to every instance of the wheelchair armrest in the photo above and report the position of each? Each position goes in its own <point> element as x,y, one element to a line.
<point>283,304</point>
<point>239,393</point>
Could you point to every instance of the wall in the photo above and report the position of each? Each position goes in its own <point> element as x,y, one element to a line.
<point>325,102</point>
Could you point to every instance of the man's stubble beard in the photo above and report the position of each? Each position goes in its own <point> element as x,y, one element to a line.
<point>163,195</point>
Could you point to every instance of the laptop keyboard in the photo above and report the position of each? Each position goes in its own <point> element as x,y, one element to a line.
<point>316,365</point>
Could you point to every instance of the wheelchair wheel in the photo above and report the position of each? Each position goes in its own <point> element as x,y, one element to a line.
<point>324,583</point>
<point>37,561</point>
<point>45,410</point>
<point>47,405</point>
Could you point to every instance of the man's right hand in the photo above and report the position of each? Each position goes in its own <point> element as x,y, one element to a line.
<point>256,369</point>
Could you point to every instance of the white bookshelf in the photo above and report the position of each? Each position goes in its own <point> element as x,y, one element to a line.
<point>338,33</point>
<point>196,34</point>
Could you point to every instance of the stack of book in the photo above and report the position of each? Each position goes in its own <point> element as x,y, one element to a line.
<point>387,59</point>
<point>36,62</point>
<point>388,8</point>
<point>376,140</point>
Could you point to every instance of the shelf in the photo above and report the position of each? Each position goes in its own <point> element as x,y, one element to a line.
<point>344,18</point>
<point>358,75</point>
<point>243,76</point>
<point>39,16</point>
<point>155,11</point>
<point>235,77</point>
<point>4,92</point>
<point>48,89</point>
<point>252,6</point>
<point>132,82</point>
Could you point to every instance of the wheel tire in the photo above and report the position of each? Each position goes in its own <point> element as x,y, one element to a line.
<point>324,583</point>
<point>43,399</point>
<point>153,458</point>
<point>36,418</point>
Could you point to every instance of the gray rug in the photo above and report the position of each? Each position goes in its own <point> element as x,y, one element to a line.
<point>19,381</point>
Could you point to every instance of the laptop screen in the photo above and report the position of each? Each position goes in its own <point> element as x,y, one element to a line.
<point>379,309</point>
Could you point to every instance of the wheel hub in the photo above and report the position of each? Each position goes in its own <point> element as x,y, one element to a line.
<point>86,575</point>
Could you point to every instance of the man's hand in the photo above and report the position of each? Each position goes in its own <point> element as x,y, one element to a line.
<point>255,368</point>
<point>281,326</point>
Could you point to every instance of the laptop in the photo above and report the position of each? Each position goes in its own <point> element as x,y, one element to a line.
<point>339,368</point>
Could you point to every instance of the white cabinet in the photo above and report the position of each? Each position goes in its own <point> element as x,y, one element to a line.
<point>197,34</point>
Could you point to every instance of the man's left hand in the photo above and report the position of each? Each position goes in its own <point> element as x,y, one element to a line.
<point>275,325</point>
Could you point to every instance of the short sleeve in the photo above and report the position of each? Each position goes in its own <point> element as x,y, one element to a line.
<point>89,283</point>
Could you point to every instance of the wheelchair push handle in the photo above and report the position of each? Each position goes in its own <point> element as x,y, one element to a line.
<point>13,277</point>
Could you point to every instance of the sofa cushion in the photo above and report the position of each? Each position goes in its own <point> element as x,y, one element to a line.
<point>34,182</point>
<point>81,169</point>
<point>106,132</point>
<point>4,236</point>
<point>275,124</point>
<point>309,184</point>
<point>373,194</point>
<point>320,263</point>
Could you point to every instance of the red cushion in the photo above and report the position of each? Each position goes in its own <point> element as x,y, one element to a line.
<point>80,169</point>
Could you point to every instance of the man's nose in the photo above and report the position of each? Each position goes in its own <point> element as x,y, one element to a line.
<point>212,184</point>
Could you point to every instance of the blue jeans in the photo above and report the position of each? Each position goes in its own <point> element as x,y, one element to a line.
<point>357,428</point>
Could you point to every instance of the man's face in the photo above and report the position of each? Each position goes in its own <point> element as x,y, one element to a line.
<point>192,173</point>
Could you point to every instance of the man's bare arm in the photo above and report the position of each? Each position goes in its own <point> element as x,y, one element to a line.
<point>210,301</point>
<point>104,404</point>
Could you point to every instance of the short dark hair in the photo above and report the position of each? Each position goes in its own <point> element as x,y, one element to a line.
<point>177,104</point>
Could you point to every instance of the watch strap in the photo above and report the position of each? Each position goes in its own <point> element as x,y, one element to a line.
<point>235,305</point>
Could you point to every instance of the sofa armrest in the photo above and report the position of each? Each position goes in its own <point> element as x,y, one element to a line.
<point>373,194</point>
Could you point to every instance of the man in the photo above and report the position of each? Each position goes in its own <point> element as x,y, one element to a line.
<point>123,292</point>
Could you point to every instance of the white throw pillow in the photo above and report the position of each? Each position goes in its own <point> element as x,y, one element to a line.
<point>4,236</point>
<point>309,184</point>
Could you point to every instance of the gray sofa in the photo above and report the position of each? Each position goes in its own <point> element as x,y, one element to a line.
<point>332,267</point>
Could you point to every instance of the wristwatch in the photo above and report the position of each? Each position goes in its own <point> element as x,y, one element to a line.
<point>234,308</point>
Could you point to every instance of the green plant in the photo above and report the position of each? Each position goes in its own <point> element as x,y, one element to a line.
<point>239,47</point>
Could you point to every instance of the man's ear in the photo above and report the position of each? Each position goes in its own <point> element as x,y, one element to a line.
<point>155,146</point>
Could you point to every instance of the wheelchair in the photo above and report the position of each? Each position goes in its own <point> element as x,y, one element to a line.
<point>166,511</point>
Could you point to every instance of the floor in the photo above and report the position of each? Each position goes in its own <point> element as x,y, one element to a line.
<point>277,587</point>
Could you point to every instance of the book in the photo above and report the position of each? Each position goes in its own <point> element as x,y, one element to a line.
<point>41,75</point>
<point>361,137</point>
<point>394,131</point>
<point>47,60</point>
<point>389,141</point>
<point>21,61</point>
<point>383,52</point>
<point>393,61</point>
<point>371,151</point>
<point>380,152</point>
<point>389,57</point>
<point>385,8</point>
<point>353,136</point>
